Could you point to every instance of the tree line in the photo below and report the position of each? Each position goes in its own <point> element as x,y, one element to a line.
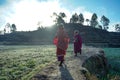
<point>9,28</point>
<point>79,18</point>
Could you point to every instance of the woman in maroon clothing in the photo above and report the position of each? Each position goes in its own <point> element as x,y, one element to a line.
<point>77,42</point>
<point>61,41</point>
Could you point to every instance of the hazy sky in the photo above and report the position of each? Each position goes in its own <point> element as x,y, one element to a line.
<point>26,13</point>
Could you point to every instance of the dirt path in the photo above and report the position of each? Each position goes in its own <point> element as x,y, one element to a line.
<point>70,71</point>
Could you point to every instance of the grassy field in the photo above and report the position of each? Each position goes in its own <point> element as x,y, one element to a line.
<point>113,56</point>
<point>21,62</point>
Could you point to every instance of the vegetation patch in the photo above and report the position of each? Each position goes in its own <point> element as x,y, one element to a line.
<point>17,62</point>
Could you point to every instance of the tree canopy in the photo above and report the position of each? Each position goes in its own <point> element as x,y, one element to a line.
<point>81,18</point>
<point>105,22</point>
<point>74,18</point>
<point>117,27</point>
<point>13,28</point>
<point>59,17</point>
<point>94,21</point>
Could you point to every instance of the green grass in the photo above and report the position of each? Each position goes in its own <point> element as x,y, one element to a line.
<point>113,56</point>
<point>19,62</point>
<point>22,62</point>
<point>112,53</point>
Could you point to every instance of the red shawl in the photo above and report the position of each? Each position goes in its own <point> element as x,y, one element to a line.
<point>61,40</point>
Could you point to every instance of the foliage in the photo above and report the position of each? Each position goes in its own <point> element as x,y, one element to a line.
<point>117,27</point>
<point>94,21</point>
<point>74,18</point>
<point>94,17</point>
<point>13,28</point>
<point>9,28</point>
<point>59,17</point>
<point>81,18</point>
<point>105,22</point>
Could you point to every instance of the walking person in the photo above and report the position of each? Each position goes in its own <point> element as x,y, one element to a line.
<point>61,41</point>
<point>77,42</point>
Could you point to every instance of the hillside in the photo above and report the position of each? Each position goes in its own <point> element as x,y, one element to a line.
<point>45,36</point>
<point>94,36</point>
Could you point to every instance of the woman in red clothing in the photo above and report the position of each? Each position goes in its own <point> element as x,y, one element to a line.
<point>77,42</point>
<point>61,41</point>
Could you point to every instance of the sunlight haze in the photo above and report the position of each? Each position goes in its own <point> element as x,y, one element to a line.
<point>28,15</point>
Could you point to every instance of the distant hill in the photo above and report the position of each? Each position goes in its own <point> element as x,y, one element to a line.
<point>90,36</point>
<point>94,36</point>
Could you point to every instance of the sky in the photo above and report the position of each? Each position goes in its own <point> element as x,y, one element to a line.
<point>26,14</point>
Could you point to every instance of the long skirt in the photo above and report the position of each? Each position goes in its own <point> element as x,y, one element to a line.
<point>77,47</point>
<point>60,54</point>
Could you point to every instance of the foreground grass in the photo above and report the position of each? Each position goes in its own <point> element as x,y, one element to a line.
<point>21,62</point>
<point>113,56</point>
